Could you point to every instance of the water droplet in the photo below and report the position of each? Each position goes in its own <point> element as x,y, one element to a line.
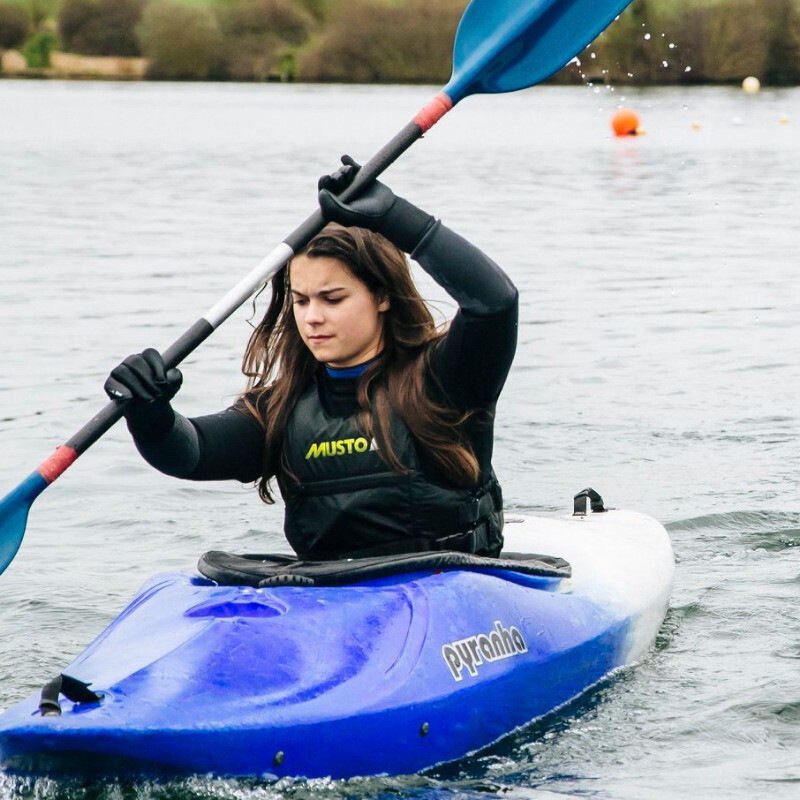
<point>593,55</point>
<point>688,69</point>
<point>665,63</point>
<point>647,37</point>
<point>672,45</point>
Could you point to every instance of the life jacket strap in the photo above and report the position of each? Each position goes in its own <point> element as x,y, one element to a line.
<point>476,540</point>
<point>476,510</point>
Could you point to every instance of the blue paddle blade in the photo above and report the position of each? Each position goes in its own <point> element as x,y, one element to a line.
<point>505,45</point>
<point>14,509</point>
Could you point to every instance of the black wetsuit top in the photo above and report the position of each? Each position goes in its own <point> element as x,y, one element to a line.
<point>468,367</point>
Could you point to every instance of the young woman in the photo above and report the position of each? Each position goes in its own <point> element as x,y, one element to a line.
<point>377,427</point>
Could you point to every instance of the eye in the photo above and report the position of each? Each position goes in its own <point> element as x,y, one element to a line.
<point>299,301</point>
<point>334,300</point>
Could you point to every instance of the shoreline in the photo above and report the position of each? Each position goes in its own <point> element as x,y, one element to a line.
<point>75,67</point>
<point>49,74</point>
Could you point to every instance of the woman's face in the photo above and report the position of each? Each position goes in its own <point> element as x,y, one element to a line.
<point>339,319</point>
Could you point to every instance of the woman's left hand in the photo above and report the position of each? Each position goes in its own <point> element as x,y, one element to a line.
<point>377,208</point>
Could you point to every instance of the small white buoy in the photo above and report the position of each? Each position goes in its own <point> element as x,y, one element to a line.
<point>751,84</point>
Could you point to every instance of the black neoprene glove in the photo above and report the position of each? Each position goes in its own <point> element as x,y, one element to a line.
<point>377,208</point>
<point>144,379</point>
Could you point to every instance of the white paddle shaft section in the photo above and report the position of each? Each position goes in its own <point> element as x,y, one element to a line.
<point>250,284</point>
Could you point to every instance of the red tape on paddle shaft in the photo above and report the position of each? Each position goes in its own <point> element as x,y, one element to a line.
<point>63,458</point>
<point>433,112</point>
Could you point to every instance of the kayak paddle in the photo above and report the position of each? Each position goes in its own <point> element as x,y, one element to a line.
<point>500,46</point>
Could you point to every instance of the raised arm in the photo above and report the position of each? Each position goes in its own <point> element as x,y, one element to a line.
<point>474,359</point>
<point>472,363</point>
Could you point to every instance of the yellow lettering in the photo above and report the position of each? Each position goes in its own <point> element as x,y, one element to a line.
<point>317,449</point>
<point>338,447</point>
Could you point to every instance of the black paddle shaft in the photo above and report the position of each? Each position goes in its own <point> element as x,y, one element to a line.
<point>194,336</point>
<point>383,159</point>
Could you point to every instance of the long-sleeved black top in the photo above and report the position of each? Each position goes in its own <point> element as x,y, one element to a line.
<point>469,367</point>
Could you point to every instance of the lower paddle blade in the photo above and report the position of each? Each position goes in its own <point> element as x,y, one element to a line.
<point>14,508</point>
<point>505,45</point>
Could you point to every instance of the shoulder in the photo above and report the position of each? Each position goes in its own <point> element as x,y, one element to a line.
<point>253,404</point>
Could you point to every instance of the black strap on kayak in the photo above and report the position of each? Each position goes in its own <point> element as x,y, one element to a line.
<point>588,502</point>
<point>73,689</point>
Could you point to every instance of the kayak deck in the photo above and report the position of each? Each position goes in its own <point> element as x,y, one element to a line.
<point>388,676</point>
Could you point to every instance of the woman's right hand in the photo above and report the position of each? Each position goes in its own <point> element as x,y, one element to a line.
<point>143,378</point>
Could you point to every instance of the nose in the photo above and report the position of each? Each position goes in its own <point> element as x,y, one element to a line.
<point>314,315</point>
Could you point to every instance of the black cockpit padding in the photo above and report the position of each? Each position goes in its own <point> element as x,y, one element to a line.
<point>259,571</point>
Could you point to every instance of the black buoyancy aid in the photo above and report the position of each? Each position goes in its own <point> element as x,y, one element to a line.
<point>344,501</point>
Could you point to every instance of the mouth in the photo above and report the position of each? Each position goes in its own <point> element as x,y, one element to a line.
<point>318,339</point>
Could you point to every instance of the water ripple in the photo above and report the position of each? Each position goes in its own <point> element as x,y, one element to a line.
<point>655,363</point>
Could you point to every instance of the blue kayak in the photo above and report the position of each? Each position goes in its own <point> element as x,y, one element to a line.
<point>390,675</point>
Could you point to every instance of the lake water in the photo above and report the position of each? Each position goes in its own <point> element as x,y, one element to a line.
<point>658,362</point>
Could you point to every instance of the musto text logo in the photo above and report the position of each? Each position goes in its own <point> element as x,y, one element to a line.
<point>339,447</point>
<point>469,654</point>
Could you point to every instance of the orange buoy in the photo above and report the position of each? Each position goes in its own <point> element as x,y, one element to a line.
<point>625,122</point>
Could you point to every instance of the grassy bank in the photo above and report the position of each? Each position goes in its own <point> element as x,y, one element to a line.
<point>653,42</point>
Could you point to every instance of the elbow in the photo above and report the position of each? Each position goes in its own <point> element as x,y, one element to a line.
<point>502,302</point>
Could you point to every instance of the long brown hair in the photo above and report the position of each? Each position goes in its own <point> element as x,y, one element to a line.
<point>279,366</point>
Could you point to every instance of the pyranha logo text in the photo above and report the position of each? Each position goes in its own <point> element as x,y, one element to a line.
<point>470,653</point>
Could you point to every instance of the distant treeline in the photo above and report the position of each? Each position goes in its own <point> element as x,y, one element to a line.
<point>406,41</point>
<point>701,41</point>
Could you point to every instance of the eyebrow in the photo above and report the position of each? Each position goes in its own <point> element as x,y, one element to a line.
<point>324,292</point>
